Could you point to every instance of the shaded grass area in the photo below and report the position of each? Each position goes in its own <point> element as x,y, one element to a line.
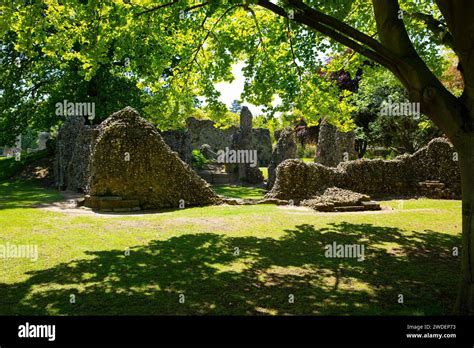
<point>193,252</point>
<point>236,191</point>
<point>15,194</point>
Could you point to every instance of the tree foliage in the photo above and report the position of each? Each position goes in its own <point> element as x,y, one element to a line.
<point>159,56</point>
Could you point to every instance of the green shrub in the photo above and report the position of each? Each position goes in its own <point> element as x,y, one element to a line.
<point>199,161</point>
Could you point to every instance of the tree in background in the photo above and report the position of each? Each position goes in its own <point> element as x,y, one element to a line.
<point>401,133</point>
<point>235,106</point>
<point>31,86</point>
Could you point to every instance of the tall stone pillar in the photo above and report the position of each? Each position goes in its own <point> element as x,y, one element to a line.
<point>334,146</point>
<point>285,149</point>
<point>242,140</point>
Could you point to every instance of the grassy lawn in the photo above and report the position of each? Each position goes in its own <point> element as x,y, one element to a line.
<point>236,191</point>
<point>193,252</point>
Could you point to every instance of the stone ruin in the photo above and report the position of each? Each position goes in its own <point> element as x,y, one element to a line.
<point>43,138</point>
<point>242,142</point>
<point>125,165</point>
<point>75,142</point>
<point>242,139</point>
<point>78,170</point>
<point>334,146</point>
<point>73,148</point>
<point>206,132</point>
<point>340,200</point>
<point>433,166</point>
<point>207,152</point>
<point>132,167</point>
<point>285,149</point>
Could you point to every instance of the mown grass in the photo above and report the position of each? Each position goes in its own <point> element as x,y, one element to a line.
<point>232,260</point>
<point>17,194</point>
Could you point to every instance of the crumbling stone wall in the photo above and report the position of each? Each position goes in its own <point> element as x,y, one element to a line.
<point>380,178</point>
<point>334,146</point>
<point>180,142</point>
<point>261,141</point>
<point>78,170</point>
<point>66,143</point>
<point>285,149</point>
<point>72,155</point>
<point>205,132</point>
<point>130,160</point>
<point>242,140</point>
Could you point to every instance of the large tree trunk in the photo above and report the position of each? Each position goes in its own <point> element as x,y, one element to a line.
<point>465,299</point>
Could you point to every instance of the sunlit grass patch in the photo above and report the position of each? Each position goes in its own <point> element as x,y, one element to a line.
<point>236,191</point>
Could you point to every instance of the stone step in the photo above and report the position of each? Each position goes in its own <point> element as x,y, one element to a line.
<point>111,203</point>
<point>216,177</point>
<point>370,205</point>
<point>109,198</point>
<point>219,175</point>
<point>214,168</point>
<point>94,201</point>
<point>123,204</point>
<point>121,210</point>
<point>221,179</point>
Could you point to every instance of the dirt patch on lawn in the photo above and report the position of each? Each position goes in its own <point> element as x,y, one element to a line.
<point>299,210</point>
<point>210,224</point>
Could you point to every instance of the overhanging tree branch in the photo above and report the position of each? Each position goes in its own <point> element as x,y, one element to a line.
<point>293,55</point>
<point>170,4</point>
<point>395,51</point>
<point>343,28</point>
<point>308,16</point>
<point>424,87</point>
<point>438,28</point>
<point>208,33</point>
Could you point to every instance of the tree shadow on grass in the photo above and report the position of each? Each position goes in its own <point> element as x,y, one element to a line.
<point>21,194</point>
<point>204,268</point>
